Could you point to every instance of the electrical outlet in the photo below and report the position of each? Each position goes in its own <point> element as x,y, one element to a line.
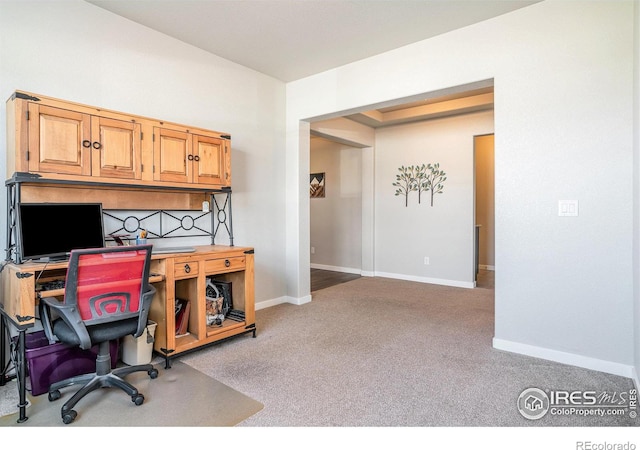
<point>426,260</point>
<point>567,208</point>
<point>313,250</point>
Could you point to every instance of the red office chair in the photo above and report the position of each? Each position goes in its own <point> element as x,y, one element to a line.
<point>107,296</point>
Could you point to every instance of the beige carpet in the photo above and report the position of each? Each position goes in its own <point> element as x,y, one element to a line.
<point>378,352</point>
<point>180,396</point>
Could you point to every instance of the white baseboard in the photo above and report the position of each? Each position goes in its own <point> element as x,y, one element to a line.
<point>440,281</point>
<point>571,359</point>
<point>486,267</point>
<point>306,299</point>
<point>337,268</point>
<point>272,302</point>
<point>284,299</point>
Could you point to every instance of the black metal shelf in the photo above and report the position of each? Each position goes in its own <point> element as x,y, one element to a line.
<point>185,223</point>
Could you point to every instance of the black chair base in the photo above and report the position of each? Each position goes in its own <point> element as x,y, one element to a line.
<point>93,381</point>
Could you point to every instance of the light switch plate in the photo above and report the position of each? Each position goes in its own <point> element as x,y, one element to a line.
<point>568,208</point>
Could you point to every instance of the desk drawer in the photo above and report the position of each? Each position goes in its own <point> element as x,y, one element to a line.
<point>186,269</point>
<point>224,265</point>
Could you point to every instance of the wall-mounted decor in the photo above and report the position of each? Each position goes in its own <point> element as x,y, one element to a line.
<point>424,178</point>
<point>405,183</point>
<point>316,185</point>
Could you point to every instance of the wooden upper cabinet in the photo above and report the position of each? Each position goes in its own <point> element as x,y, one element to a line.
<point>211,164</point>
<point>116,149</point>
<point>171,150</point>
<point>191,158</point>
<point>56,139</point>
<point>68,141</point>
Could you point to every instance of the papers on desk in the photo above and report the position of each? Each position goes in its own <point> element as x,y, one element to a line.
<point>158,250</point>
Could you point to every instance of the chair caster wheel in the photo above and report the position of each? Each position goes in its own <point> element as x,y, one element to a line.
<point>54,395</point>
<point>138,399</point>
<point>69,417</point>
<point>153,373</point>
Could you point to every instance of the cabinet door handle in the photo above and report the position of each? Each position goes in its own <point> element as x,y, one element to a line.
<point>97,145</point>
<point>227,263</point>
<point>187,269</point>
<point>190,157</point>
<point>86,143</point>
<point>196,158</point>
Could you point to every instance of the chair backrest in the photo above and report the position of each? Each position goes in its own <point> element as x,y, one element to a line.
<point>107,284</point>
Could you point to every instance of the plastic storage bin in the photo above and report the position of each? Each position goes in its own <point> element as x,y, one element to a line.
<point>49,363</point>
<point>139,350</point>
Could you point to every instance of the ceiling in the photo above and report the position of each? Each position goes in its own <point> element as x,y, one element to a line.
<point>293,39</point>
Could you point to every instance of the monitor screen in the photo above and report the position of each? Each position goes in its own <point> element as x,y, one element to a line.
<point>52,230</point>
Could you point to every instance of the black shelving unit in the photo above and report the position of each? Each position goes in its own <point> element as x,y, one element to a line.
<point>219,214</point>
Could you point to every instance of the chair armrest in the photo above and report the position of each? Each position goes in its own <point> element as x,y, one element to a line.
<point>71,316</point>
<point>46,320</point>
<point>146,299</point>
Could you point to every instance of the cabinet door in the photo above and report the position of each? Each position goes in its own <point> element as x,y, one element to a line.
<point>59,140</point>
<point>116,148</point>
<point>171,151</point>
<point>211,164</point>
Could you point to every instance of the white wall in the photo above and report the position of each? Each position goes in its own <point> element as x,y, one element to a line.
<point>563,74</point>
<point>636,190</point>
<point>336,219</point>
<point>444,232</point>
<point>76,51</point>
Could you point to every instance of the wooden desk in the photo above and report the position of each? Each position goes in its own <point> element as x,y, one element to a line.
<point>182,275</point>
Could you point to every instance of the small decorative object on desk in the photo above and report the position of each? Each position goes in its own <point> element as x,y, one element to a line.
<point>142,238</point>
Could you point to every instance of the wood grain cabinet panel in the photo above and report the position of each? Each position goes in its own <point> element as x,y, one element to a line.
<point>171,151</point>
<point>56,138</point>
<point>211,164</point>
<point>118,152</point>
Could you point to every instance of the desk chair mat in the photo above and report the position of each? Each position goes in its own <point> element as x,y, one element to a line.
<point>180,396</point>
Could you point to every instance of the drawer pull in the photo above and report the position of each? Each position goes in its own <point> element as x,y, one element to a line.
<point>187,269</point>
<point>227,263</point>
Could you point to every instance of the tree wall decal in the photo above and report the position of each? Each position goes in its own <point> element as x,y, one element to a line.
<point>405,183</point>
<point>422,181</point>
<point>424,178</point>
<point>436,177</point>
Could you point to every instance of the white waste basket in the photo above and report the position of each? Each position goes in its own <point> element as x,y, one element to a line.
<point>139,350</point>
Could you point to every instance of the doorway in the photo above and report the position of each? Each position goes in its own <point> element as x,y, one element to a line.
<point>335,213</point>
<point>484,210</point>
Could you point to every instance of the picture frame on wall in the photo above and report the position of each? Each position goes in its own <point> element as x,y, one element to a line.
<point>316,185</point>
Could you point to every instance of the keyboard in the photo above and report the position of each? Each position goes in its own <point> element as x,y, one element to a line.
<point>50,285</point>
<point>158,250</point>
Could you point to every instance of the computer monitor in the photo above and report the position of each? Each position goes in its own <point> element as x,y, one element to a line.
<point>51,230</point>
